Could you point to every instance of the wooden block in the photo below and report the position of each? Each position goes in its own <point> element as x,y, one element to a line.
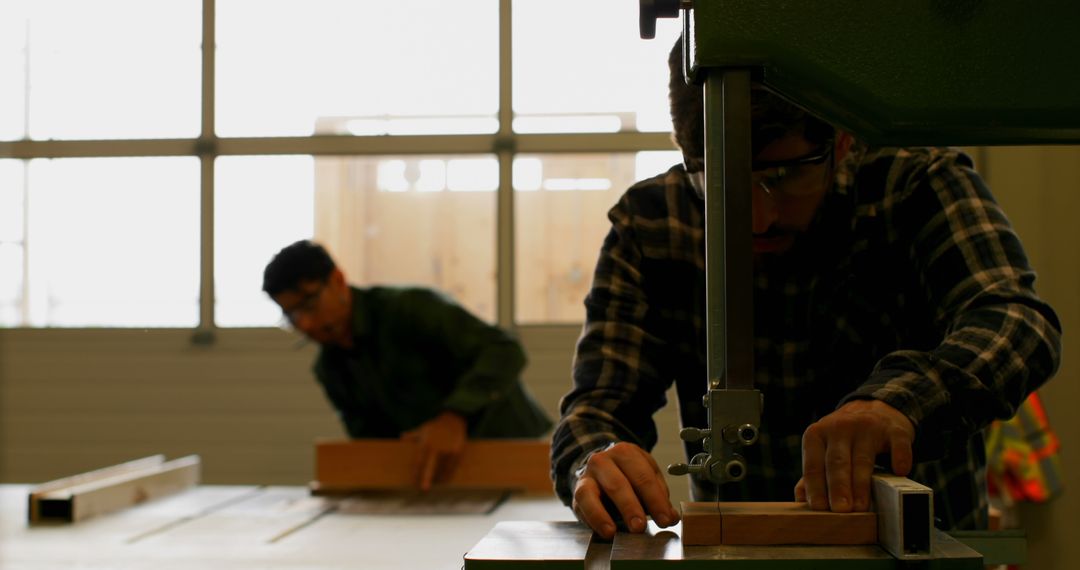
<point>701,524</point>
<point>794,523</point>
<point>75,498</point>
<point>415,502</point>
<point>370,464</point>
<point>659,548</point>
<point>739,523</point>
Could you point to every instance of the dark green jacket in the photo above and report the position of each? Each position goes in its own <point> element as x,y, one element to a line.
<point>415,354</point>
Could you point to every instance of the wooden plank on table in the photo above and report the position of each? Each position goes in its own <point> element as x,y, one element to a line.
<point>372,464</point>
<point>416,502</point>
<point>701,523</point>
<point>663,548</point>
<point>549,545</point>
<point>773,523</point>
<point>82,496</point>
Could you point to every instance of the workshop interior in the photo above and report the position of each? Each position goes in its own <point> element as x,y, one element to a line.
<point>161,404</point>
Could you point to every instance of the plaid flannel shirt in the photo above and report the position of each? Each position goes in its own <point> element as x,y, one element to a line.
<point>909,287</point>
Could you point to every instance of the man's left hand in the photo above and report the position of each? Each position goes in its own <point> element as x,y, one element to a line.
<point>839,451</point>
<point>440,443</point>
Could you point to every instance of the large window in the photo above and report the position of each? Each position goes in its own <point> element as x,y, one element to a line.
<point>560,204</point>
<point>418,219</point>
<point>581,67</point>
<point>260,203</point>
<point>100,242</point>
<point>99,69</point>
<point>146,183</point>
<point>424,64</point>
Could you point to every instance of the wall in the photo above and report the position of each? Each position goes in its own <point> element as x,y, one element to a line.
<point>1039,187</point>
<point>75,400</point>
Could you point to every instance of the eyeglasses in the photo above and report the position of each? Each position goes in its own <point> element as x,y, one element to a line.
<point>789,178</point>
<point>307,305</point>
<point>780,178</point>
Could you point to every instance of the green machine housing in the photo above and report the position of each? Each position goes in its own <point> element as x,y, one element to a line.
<point>913,72</point>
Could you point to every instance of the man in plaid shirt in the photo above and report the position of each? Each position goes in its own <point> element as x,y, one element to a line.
<point>894,316</point>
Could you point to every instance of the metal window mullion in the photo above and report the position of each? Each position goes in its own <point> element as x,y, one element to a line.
<point>24,288</point>
<point>504,145</point>
<point>342,145</point>
<point>206,149</point>
<point>592,143</point>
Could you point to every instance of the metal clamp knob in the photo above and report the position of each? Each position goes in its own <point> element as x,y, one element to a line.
<point>679,469</point>
<point>697,466</point>
<point>745,434</point>
<point>735,469</point>
<point>694,434</point>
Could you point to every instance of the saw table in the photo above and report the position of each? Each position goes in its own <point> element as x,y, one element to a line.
<point>286,528</point>
<point>249,527</point>
<point>566,545</point>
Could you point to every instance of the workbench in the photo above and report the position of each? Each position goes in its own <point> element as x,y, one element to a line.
<point>242,527</point>
<point>286,528</point>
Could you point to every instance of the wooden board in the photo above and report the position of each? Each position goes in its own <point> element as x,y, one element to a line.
<point>414,502</point>
<point>701,524</point>
<point>748,523</point>
<point>658,548</point>
<point>371,464</point>
<point>522,545</point>
<point>663,548</point>
<point>79,497</point>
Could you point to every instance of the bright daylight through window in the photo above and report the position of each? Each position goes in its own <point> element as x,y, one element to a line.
<point>373,127</point>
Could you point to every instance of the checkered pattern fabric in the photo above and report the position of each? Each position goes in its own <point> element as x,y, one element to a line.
<point>909,287</point>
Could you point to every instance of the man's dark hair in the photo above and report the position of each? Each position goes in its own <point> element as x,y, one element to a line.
<point>300,261</point>
<point>771,116</point>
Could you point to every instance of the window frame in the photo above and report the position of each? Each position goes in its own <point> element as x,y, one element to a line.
<point>505,144</point>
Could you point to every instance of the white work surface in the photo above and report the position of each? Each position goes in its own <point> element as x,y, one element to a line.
<point>234,527</point>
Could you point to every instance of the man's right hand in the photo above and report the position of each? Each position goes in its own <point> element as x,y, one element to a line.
<point>630,478</point>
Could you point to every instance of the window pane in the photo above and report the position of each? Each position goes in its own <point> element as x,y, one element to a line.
<point>113,242</point>
<point>261,205</point>
<point>427,220</point>
<point>614,81</point>
<point>105,69</point>
<point>439,231</point>
<point>11,267</point>
<point>12,191</point>
<point>357,67</point>
<point>561,203</point>
<point>12,70</point>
